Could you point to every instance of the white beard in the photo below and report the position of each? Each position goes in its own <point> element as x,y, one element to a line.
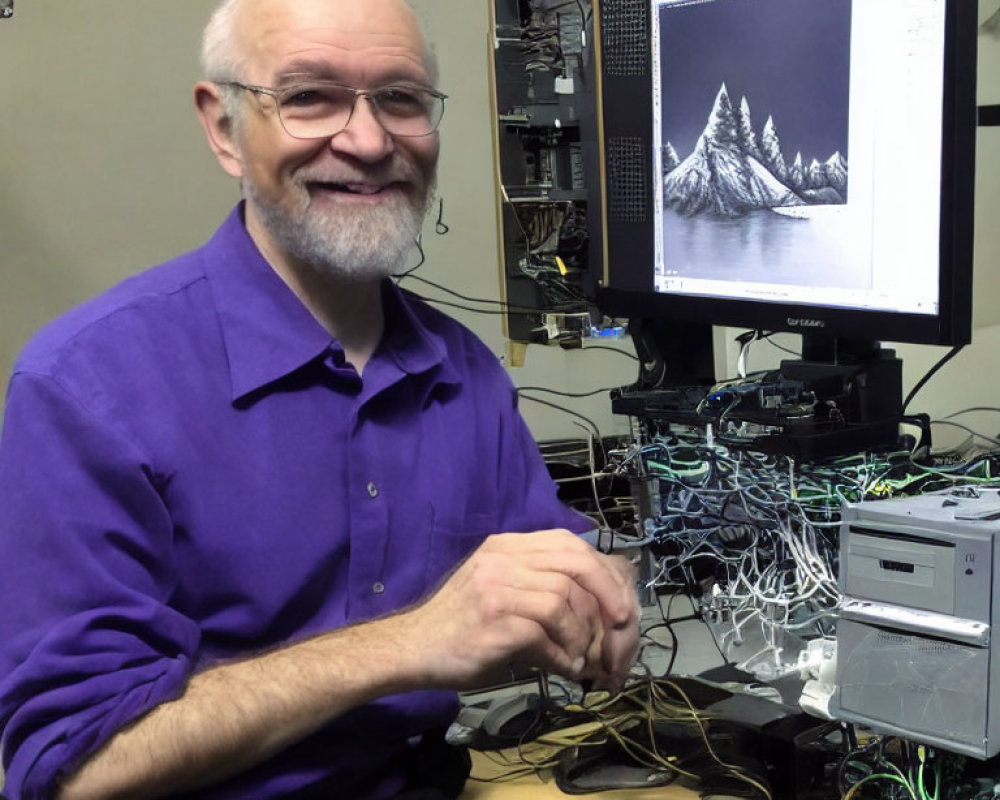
<point>357,245</point>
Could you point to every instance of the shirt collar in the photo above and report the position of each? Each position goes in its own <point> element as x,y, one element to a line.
<point>269,333</point>
<point>410,343</point>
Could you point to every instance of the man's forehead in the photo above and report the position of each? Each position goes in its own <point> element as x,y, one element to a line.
<point>349,15</point>
<point>277,32</point>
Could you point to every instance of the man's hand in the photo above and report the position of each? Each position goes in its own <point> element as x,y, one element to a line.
<point>546,599</point>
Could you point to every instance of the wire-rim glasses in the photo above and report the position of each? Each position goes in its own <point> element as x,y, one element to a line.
<point>321,109</point>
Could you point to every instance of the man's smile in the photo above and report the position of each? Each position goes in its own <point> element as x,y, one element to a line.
<point>353,189</point>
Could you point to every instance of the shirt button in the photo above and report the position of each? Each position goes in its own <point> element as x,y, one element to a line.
<point>372,489</point>
<point>378,587</point>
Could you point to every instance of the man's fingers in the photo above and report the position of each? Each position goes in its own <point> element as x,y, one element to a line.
<point>539,650</point>
<point>566,614</point>
<point>563,552</point>
<point>608,580</point>
<point>547,599</point>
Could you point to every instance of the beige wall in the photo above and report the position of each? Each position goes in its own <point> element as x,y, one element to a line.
<point>103,171</point>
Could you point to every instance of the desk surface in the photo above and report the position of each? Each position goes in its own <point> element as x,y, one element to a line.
<point>544,788</point>
<point>697,654</point>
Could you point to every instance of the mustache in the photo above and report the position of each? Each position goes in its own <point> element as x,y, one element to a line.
<point>381,176</point>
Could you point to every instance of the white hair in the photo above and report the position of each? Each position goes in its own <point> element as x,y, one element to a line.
<point>222,60</point>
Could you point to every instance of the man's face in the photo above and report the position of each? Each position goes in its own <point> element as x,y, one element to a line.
<point>350,205</point>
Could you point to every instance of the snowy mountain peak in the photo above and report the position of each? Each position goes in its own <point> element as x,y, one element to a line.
<point>730,173</point>
<point>722,121</point>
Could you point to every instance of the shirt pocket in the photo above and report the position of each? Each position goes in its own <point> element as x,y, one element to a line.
<point>453,538</point>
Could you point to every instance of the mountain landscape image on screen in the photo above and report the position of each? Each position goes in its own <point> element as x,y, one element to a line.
<point>731,172</point>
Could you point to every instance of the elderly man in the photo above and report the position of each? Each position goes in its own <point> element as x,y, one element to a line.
<point>252,501</point>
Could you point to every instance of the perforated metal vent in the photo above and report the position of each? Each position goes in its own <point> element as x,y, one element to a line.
<point>885,639</point>
<point>625,34</point>
<point>914,685</point>
<point>628,174</point>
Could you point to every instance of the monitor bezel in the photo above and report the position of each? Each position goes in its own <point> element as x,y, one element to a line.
<point>626,114</point>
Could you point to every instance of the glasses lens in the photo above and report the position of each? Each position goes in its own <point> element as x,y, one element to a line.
<point>314,111</point>
<point>407,110</point>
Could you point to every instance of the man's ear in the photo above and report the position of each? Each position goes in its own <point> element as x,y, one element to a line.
<point>218,127</point>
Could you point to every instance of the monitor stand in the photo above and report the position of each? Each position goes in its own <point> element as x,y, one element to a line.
<point>854,388</point>
<point>676,371</point>
<point>861,382</point>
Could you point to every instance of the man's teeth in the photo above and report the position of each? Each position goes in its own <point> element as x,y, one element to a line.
<point>362,188</point>
<point>365,189</point>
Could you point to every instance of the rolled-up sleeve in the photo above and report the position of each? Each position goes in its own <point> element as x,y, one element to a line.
<point>88,641</point>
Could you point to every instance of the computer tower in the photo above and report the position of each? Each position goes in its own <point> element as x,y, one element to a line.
<point>915,651</point>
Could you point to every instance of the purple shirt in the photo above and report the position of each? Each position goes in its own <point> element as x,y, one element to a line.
<point>189,474</point>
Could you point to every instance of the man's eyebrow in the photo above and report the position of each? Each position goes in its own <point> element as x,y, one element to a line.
<point>310,70</point>
<point>296,71</point>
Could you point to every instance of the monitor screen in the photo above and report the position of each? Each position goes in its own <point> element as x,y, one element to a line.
<point>802,165</point>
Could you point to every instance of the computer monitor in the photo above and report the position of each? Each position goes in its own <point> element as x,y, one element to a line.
<point>789,165</point>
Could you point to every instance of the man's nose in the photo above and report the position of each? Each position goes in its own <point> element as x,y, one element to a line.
<point>363,136</point>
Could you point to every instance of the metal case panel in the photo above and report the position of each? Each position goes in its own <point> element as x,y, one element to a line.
<point>927,689</point>
<point>907,573</point>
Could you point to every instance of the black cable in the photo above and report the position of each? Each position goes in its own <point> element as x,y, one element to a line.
<point>995,442</point>
<point>711,635</point>
<point>612,349</point>
<point>930,374</point>
<point>590,422</point>
<point>423,259</point>
<point>668,624</point>
<point>503,308</point>
<point>498,312</point>
<point>674,645</point>
<point>468,299</point>
<point>971,410</point>
<point>851,735</point>
<point>923,423</point>
<point>564,394</point>
<point>439,227</point>
<point>766,336</point>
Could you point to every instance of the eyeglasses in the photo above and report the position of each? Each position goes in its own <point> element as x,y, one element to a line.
<point>319,109</point>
